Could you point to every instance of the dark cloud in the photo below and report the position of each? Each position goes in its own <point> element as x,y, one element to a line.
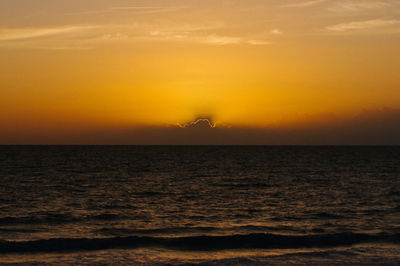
<point>200,122</point>
<point>370,127</point>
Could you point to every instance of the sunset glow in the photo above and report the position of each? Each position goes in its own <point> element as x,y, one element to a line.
<point>90,65</point>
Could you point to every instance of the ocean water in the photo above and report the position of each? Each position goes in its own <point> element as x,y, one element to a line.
<point>199,205</point>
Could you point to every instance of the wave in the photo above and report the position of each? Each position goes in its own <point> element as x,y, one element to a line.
<point>200,243</point>
<point>244,229</point>
<point>51,218</point>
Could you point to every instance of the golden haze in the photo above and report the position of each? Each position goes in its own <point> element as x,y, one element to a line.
<point>102,64</point>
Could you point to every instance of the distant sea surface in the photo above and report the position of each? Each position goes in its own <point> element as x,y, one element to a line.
<point>200,205</point>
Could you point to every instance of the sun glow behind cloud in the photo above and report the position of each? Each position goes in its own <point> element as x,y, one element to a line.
<point>90,64</point>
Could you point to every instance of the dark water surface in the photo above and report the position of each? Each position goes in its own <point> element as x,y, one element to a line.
<point>221,205</point>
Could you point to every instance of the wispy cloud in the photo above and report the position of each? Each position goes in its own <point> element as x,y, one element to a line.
<point>211,39</point>
<point>305,3</point>
<point>197,33</point>
<point>348,6</point>
<point>89,36</point>
<point>258,42</point>
<point>361,25</point>
<point>276,32</point>
<point>133,9</point>
<point>148,9</point>
<point>220,40</point>
<point>136,7</point>
<point>185,27</point>
<point>14,34</point>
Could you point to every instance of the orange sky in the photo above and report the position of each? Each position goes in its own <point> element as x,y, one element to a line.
<point>67,66</point>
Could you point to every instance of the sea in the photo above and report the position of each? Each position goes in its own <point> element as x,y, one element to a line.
<point>200,205</point>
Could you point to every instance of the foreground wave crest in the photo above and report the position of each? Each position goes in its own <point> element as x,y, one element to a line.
<point>250,241</point>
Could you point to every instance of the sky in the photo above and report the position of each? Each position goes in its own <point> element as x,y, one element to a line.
<point>143,71</point>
